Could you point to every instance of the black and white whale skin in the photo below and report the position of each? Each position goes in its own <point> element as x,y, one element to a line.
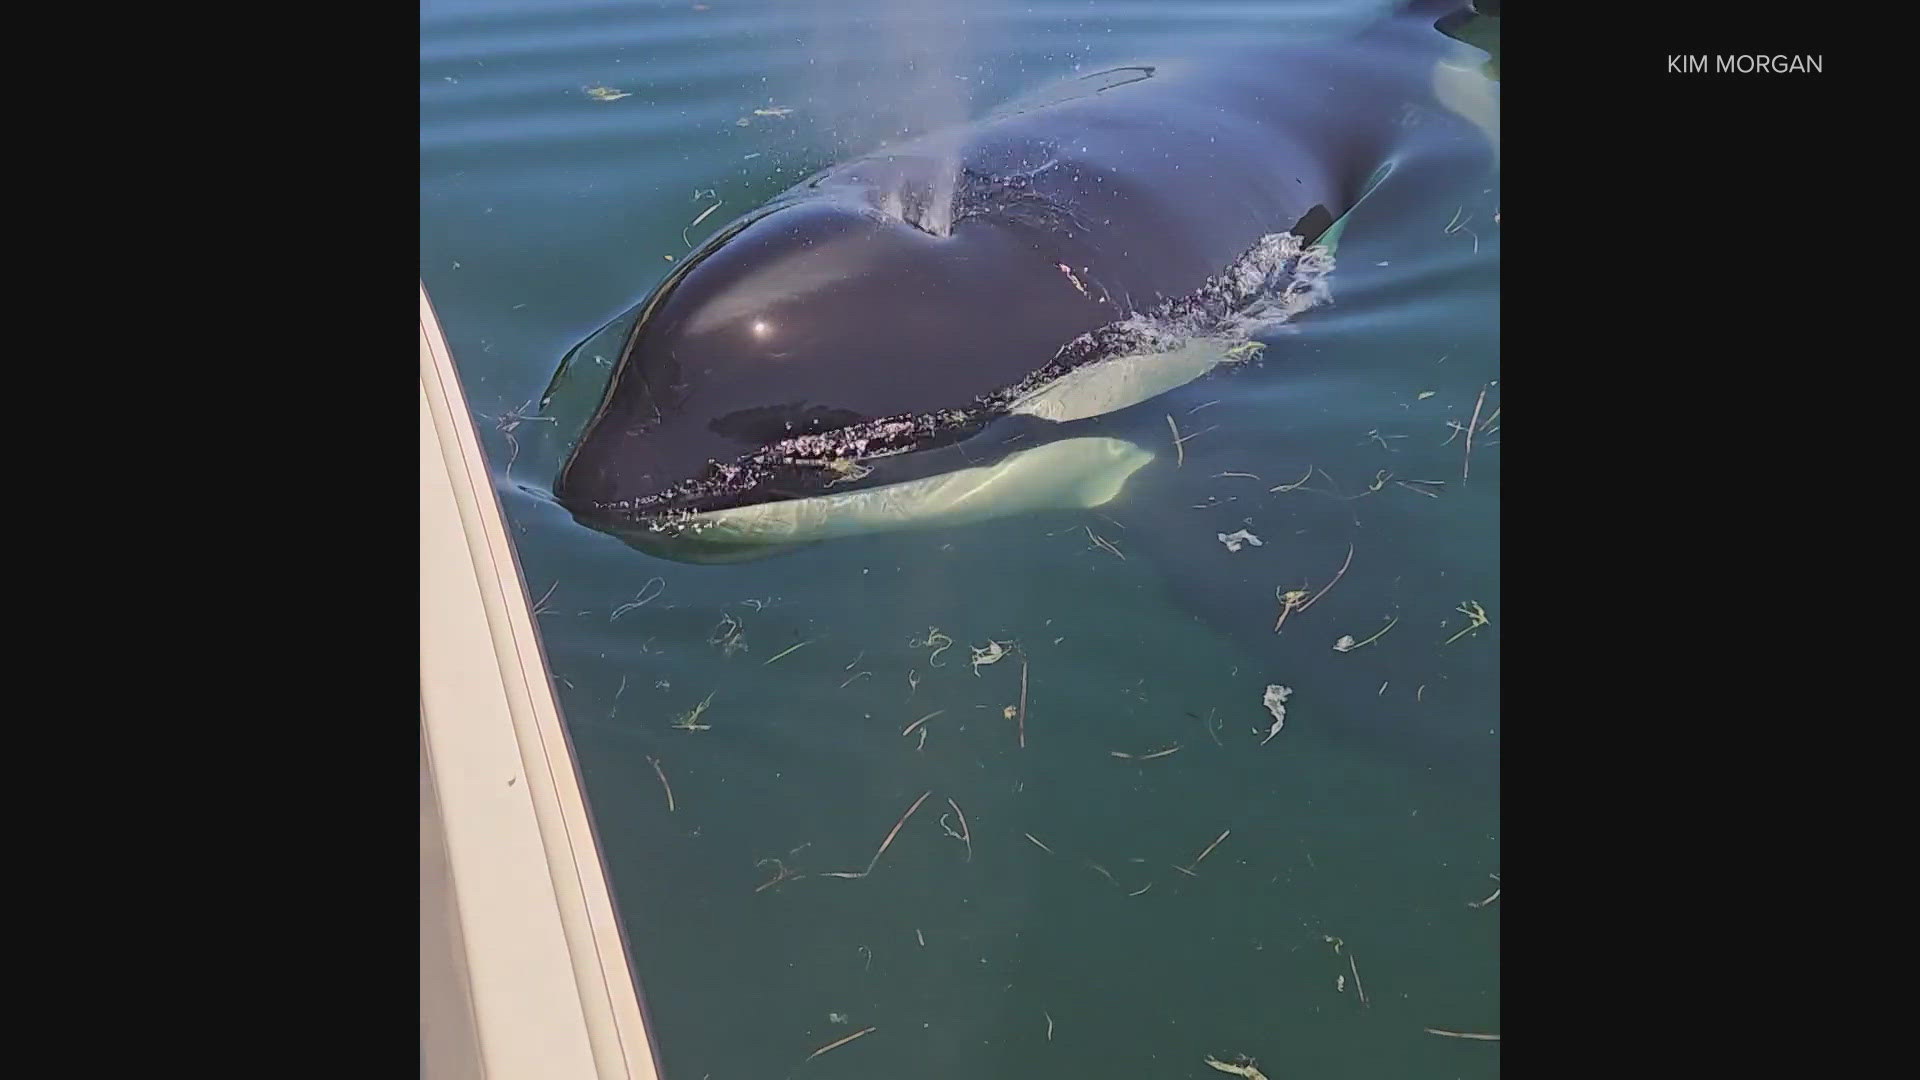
<point>1077,252</point>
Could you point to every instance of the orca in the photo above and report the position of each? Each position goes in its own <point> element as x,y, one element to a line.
<point>929,335</point>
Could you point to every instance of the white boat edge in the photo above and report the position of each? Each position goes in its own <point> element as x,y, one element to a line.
<point>523,964</point>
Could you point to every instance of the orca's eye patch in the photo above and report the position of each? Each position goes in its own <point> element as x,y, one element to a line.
<point>771,423</point>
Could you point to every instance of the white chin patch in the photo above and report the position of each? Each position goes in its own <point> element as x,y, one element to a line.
<point>1084,472</point>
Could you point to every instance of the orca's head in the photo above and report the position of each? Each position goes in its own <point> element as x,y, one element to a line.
<point>825,319</point>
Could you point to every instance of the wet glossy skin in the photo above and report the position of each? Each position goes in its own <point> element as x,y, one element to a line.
<point>825,311</point>
<point>817,317</point>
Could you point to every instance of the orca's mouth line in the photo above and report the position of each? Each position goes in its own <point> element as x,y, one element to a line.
<point>1276,278</point>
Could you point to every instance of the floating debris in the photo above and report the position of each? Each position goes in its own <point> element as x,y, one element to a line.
<point>606,93</point>
<point>1104,544</point>
<point>992,654</point>
<point>1298,599</point>
<point>1476,615</point>
<point>1211,732</point>
<point>1234,540</point>
<point>729,634</point>
<point>1188,869</point>
<point>1247,1070</point>
<point>1347,644</point>
<point>908,730</point>
<point>1275,699</point>
<point>1296,484</point>
<point>965,835</point>
<point>787,650</point>
<point>1424,395</point>
<point>837,1043</point>
<point>657,771</point>
<point>1124,756</point>
<point>1037,843</point>
<point>1179,440</point>
<point>934,640</point>
<point>1488,900</point>
<point>1466,462</point>
<point>1023,703</point>
<point>690,721</point>
<point>698,220</point>
<point>508,422</point>
<point>777,110</point>
<point>540,608</point>
<point>781,873</point>
<point>1246,350</point>
<point>1461,1034</point>
<point>884,844</point>
<point>1422,490</point>
<point>1375,436</point>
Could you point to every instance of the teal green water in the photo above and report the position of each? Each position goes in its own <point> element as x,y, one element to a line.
<point>1371,818</point>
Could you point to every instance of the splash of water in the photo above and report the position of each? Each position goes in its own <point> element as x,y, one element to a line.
<point>936,215</point>
<point>888,71</point>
